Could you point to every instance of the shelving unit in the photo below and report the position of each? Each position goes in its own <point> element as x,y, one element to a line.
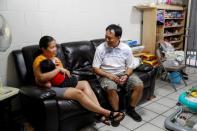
<point>162,23</point>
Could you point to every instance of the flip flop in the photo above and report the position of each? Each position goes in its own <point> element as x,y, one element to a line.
<point>114,118</point>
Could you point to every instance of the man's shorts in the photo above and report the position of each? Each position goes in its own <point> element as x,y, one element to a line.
<point>132,81</point>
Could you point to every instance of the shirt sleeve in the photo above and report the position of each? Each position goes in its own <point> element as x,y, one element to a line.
<point>36,62</point>
<point>97,59</point>
<point>129,60</point>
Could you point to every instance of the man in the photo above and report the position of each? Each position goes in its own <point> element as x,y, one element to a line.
<point>113,64</point>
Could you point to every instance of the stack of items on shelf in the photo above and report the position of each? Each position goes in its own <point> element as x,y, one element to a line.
<point>172,39</point>
<point>160,17</point>
<point>149,59</point>
<point>174,27</point>
<point>131,43</point>
<point>169,23</point>
<point>135,46</point>
<point>174,14</point>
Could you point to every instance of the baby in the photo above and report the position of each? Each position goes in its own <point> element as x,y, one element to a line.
<point>60,80</point>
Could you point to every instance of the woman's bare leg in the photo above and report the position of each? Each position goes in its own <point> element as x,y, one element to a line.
<point>85,87</point>
<point>85,101</point>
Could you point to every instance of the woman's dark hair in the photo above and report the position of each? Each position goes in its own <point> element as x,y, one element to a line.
<point>44,41</point>
<point>117,29</point>
<point>47,66</point>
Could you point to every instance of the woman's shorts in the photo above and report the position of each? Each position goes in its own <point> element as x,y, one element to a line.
<point>60,90</point>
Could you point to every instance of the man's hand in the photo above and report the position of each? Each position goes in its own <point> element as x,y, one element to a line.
<point>65,71</point>
<point>114,78</point>
<point>123,79</point>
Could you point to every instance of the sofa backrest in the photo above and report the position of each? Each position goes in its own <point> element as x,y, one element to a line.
<point>78,55</point>
<point>97,42</point>
<point>75,56</point>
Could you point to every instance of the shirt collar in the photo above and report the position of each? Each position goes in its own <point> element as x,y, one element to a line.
<point>118,47</point>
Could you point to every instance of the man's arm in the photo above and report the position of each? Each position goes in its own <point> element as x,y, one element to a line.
<point>129,71</point>
<point>102,73</point>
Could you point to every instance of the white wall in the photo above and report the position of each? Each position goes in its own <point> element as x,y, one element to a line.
<point>66,20</point>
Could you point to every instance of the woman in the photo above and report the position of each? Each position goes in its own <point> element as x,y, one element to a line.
<point>82,92</point>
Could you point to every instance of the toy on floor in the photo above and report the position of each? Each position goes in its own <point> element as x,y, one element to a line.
<point>189,99</point>
<point>185,118</point>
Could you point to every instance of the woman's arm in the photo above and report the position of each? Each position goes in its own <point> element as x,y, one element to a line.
<point>45,77</point>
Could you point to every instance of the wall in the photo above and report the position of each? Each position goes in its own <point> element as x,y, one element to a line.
<point>66,20</point>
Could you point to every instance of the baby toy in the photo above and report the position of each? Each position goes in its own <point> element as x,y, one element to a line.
<point>189,99</point>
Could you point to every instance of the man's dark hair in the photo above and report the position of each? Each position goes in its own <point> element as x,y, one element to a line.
<point>47,66</point>
<point>117,29</point>
<point>44,41</point>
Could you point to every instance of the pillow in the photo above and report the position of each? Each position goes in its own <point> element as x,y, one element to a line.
<point>136,62</point>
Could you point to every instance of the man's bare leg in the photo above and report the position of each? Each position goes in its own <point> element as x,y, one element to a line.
<point>113,99</point>
<point>135,97</point>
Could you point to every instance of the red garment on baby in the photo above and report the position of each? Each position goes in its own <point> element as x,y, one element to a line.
<point>58,79</point>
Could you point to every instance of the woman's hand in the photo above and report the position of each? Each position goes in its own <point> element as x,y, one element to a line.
<point>65,71</point>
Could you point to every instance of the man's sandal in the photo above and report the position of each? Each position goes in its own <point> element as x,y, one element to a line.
<point>116,118</point>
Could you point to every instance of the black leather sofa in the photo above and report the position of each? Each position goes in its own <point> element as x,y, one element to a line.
<point>47,113</point>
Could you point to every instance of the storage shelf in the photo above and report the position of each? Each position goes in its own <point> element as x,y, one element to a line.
<point>163,7</point>
<point>173,26</point>
<point>178,41</point>
<point>173,18</point>
<point>153,31</point>
<point>167,35</point>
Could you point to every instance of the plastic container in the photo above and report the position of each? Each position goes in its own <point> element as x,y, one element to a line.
<point>175,77</point>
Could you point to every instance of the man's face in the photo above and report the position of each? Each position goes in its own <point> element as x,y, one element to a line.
<point>111,39</point>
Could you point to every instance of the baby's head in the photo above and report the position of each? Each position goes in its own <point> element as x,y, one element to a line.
<point>47,66</point>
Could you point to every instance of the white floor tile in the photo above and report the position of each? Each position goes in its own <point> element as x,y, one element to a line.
<point>130,123</point>
<point>146,103</point>
<point>146,114</point>
<point>163,91</point>
<point>99,125</point>
<point>149,127</point>
<point>157,98</point>
<point>193,78</point>
<point>157,108</point>
<point>193,84</point>
<point>110,128</point>
<point>138,107</point>
<point>167,102</point>
<point>159,121</point>
<point>169,112</point>
<point>160,83</point>
<point>174,96</point>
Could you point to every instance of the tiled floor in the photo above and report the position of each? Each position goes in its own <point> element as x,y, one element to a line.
<point>153,112</point>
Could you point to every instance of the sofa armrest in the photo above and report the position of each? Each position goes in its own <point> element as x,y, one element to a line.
<point>144,68</point>
<point>99,92</point>
<point>86,73</point>
<point>38,93</point>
